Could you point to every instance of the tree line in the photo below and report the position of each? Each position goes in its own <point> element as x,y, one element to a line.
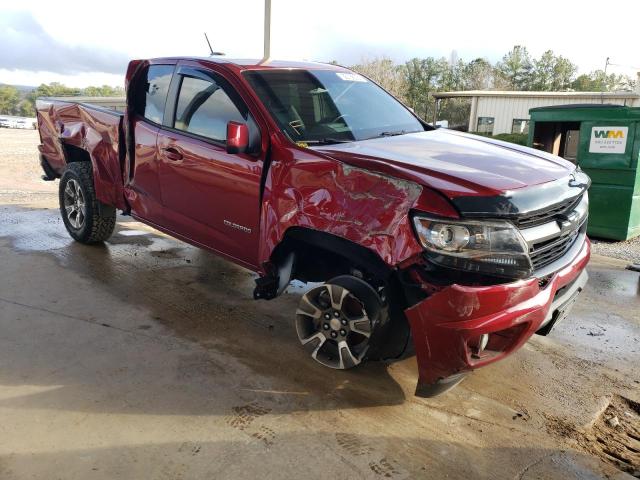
<point>14,101</point>
<point>413,81</point>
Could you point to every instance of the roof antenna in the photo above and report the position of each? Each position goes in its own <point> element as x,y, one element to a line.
<point>208,43</point>
<point>212,54</point>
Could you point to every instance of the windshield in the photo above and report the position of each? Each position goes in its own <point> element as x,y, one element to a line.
<point>325,106</point>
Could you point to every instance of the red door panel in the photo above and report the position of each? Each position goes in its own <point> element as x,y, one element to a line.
<point>210,196</point>
<point>143,189</point>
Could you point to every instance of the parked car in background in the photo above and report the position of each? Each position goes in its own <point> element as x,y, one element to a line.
<point>18,122</point>
<point>464,245</point>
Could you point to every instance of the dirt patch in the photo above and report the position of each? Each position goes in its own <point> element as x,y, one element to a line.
<point>20,170</point>
<point>168,253</point>
<point>243,416</point>
<point>614,437</point>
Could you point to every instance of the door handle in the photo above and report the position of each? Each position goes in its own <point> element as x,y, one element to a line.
<point>172,153</point>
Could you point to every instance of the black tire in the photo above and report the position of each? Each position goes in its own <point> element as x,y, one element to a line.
<point>98,221</point>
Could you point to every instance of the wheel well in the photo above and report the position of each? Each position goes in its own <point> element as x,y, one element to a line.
<point>320,256</point>
<point>73,153</point>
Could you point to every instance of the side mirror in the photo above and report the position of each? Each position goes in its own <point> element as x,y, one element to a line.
<point>237,137</point>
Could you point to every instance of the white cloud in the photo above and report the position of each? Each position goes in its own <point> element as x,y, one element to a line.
<point>586,32</point>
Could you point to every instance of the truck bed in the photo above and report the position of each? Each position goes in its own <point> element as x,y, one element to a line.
<point>69,128</point>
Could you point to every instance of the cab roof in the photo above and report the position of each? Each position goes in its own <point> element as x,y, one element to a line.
<point>254,63</point>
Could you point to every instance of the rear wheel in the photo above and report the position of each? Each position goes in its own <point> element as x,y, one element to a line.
<point>335,321</point>
<point>86,219</point>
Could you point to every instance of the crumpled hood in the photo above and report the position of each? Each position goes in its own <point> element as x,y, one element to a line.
<point>456,164</point>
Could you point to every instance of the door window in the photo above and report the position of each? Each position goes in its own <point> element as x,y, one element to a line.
<point>155,88</point>
<point>204,108</point>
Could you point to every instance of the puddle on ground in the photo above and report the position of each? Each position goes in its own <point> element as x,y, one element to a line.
<point>624,283</point>
<point>133,233</point>
<point>42,230</point>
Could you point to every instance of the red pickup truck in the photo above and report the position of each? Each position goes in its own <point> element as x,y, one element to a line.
<point>411,238</point>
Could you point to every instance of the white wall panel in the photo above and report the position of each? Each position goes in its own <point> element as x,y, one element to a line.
<point>506,109</point>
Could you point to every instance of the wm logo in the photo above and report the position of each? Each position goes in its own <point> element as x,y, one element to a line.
<point>608,133</point>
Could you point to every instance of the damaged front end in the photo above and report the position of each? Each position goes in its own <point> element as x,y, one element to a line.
<point>482,305</point>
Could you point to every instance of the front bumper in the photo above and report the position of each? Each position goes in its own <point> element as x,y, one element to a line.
<point>449,328</point>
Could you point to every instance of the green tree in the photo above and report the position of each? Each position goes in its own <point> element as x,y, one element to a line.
<point>563,73</point>
<point>452,77</point>
<point>414,82</point>
<point>478,74</point>
<point>9,100</point>
<point>384,72</point>
<point>26,109</point>
<point>56,89</point>
<point>103,91</point>
<point>598,81</point>
<point>552,73</point>
<point>515,68</point>
<point>421,76</point>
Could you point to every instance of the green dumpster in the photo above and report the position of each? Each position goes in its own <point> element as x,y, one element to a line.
<point>604,140</point>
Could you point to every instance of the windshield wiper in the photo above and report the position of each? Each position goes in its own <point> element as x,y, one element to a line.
<point>325,141</point>
<point>391,134</point>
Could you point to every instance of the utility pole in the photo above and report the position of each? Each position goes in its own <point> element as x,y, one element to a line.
<point>604,80</point>
<point>267,32</point>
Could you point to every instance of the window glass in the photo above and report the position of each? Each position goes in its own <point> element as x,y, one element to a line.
<point>326,106</point>
<point>155,91</point>
<point>485,125</point>
<point>204,108</point>
<point>520,125</point>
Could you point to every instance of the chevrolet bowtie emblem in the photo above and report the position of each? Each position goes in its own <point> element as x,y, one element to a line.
<point>567,224</point>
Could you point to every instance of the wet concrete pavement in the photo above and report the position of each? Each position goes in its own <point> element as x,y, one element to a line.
<point>147,358</point>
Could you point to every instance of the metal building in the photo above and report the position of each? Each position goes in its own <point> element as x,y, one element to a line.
<point>495,112</point>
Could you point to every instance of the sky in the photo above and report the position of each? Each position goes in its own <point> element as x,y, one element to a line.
<point>83,43</point>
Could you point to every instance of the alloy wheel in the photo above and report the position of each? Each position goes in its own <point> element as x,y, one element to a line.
<point>333,325</point>
<point>74,204</point>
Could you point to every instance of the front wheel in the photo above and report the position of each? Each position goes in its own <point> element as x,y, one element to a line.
<point>86,219</point>
<point>335,321</point>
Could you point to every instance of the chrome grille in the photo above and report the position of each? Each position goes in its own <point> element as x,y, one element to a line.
<point>547,215</point>
<point>544,253</point>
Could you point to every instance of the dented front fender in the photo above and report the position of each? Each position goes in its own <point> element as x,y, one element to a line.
<point>367,208</point>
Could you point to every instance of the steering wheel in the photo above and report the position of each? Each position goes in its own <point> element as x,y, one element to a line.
<point>343,116</point>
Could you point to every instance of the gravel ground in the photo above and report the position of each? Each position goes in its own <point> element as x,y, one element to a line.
<point>20,171</point>
<point>629,250</point>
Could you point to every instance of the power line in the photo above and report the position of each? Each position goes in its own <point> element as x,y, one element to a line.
<point>621,65</point>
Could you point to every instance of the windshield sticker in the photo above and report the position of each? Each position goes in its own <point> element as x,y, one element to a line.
<point>351,77</point>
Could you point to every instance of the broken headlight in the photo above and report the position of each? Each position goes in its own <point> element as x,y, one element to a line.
<point>488,247</point>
